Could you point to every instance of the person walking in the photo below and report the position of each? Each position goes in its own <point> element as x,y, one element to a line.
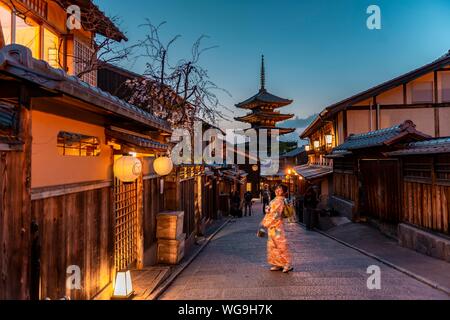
<point>310,202</point>
<point>265,197</point>
<point>248,203</point>
<point>236,208</point>
<point>278,254</point>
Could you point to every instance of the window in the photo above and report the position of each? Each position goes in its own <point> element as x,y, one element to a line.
<point>84,54</point>
<point>27,34</point>
<point>5,24</point>
<point>442,168</point>
<point>422,92</point>
<point>77,145</point>
<point>51,48</point>
<point>249,187</point>
<point>418,169</point>
<point>38,6</point>
<point>344,165</point>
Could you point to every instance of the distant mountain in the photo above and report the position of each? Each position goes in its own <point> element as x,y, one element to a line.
<point>299,124</point>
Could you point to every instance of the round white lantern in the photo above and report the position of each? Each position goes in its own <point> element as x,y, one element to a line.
<point>163,166</point>
<point>127,168</point>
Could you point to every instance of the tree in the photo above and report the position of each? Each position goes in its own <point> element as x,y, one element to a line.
<point>180,92</point>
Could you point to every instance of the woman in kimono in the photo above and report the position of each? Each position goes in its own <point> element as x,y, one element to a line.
<point>278,255</point>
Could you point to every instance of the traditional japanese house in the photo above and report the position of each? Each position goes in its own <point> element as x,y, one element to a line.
<point>263,116</point>
<point>64,212</point>
<point>422,95</point>
<point>399,178</point>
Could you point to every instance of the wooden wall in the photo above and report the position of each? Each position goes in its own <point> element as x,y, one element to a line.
<point>153,204</point>
<point>345,186</point>
<point>15,217</point>
<point>427,206</point>
<point>76,229</point>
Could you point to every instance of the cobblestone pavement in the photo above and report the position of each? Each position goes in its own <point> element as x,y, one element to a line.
<point>233,267</point>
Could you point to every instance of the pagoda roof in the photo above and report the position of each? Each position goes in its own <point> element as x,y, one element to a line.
<point>282,131</point>
<point>263,97</point>
<point>263,115</point>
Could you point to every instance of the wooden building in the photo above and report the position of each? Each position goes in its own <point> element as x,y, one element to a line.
<point>63,208</point>
<point>263,116</point>
<point>422,96</point>
<point>399,178</point>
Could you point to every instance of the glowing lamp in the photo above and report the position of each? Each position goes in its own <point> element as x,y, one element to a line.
<point>307,148</point>
<point>289,172</point>
<point>123,288</point>
<point>127,169</point>
<point>316,144</point>
<point>329,139</point>
<point>163,166</point>
<point>255,168</point>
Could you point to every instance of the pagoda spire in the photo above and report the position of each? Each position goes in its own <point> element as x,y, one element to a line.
<point>263,75</point>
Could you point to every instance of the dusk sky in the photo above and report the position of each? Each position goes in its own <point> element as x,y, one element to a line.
<point>317,52</point>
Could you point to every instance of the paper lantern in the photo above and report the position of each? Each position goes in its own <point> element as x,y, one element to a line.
<point>127,169</point>
<point>123,288</point>
<point>329,139</point>
<point>307,148</point>
<point>163,166</point>
<point>316,144</point>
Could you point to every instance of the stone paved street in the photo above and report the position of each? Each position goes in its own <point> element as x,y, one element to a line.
<point>233,267</point>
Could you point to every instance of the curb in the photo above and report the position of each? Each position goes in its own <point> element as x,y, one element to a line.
<point>389,264</point>
<point>161,289</point>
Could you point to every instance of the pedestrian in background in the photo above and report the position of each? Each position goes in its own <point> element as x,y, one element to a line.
<point>236,208</point>
<point>310,202</point>
<point>248,203</point>
<point>265,194</point>
<point>278,254</point>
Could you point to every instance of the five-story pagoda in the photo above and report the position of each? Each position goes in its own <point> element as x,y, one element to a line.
<point>263,107</point>
<point>263,115</point>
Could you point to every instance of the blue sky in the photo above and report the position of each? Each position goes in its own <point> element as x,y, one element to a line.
<point>317,51</point>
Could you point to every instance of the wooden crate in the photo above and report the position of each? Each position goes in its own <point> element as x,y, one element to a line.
<point>169,225</point>
<point>171,251</point>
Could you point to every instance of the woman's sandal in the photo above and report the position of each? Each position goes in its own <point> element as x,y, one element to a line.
<point>276,269</point>
<point>287,269</point>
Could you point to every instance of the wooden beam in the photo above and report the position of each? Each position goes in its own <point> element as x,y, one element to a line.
<point>405,94</point>
<point>345,128</point>
<point>437,130</point>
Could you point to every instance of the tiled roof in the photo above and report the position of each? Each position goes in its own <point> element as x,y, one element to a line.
<point>263,96</point>
<point>293,153</point>
<point>431,146</point>
<point>382,137</point>
<point>17,61</point>
<point>134,140</point>
<point>310,172</point>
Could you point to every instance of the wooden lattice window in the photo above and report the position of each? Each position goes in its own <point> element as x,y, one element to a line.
<point>83,57</point>
<point>126,224</point>
<point>38,6</point>
<point>78,145</point>
<point>442,169</point>
<point>345,165</point>
<point>418,169</point>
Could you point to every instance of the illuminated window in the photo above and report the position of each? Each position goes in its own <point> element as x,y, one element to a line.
<point>77,145</point>
<point>27,34</point>
<point>249,187</point>
<point>51,48</point>
<point>5,24</point>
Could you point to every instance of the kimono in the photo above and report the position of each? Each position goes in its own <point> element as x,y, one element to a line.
<point>278,254</point>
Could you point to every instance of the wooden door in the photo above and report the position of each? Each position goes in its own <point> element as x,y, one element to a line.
<point>380,191</point>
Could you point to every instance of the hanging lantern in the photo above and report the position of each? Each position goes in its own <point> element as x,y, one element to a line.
<point>123,288</point>
<point>127,169</point>
<point>316,144</point>
<point>255,168</point>
<point>307,148</point>
<point>163,166</point>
